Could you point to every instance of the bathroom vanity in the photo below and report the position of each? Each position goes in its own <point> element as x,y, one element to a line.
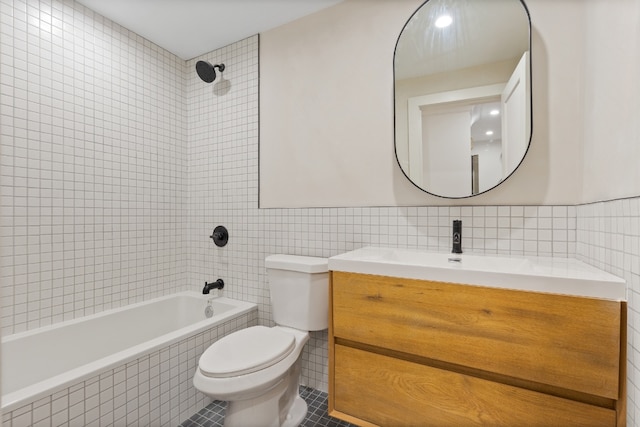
<point>417,338</point>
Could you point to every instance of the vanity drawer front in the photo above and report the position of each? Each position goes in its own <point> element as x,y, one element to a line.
<point>390,392</point>
<point>566,342</point>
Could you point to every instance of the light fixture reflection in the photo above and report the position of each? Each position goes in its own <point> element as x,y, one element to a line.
<point>494,112</point>
<point>443,21</point>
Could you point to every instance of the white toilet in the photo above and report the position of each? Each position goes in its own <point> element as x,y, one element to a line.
<point>257,370</point>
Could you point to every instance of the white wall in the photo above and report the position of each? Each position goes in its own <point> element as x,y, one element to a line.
<point>326,116</point>
<point>611,98</point>
<point>326,124</point>
<point>608,233</point>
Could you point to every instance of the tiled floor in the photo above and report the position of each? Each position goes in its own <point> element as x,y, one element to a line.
<point>213,415</point>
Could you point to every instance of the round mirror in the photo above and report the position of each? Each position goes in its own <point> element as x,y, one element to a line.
<point>462,86</point>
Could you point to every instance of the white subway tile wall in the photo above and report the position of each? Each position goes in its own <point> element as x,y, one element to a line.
<point>117,161</point>
<point>93,165</point>
<point>608,237</point>
<point>154,390</point>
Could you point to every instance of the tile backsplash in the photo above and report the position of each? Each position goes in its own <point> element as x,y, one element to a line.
<point>117,161</point>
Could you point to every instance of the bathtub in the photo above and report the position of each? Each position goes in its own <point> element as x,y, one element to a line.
<point>45,367</point>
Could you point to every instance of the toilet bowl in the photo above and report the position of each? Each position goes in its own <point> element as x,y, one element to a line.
<point>257,370</point>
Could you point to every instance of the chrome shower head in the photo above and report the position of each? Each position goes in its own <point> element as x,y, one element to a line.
<point>207,72</point>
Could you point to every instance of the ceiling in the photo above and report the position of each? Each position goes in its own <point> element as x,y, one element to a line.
<point>190,28</point>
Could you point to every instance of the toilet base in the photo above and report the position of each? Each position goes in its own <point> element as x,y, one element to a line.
<point>281,406</point>
<point>247,414</point>
<point>297,413</point>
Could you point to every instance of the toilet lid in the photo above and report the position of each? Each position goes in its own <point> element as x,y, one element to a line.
<point>246,351</point>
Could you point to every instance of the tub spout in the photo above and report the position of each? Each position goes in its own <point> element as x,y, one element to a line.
<point>218,284</point>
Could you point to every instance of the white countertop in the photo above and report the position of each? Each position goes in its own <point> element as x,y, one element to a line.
<point>553,275</point>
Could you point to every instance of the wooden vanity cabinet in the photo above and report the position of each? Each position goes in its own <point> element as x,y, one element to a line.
<point>406,352</point>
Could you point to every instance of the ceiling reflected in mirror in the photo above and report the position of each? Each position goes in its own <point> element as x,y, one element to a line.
<point>456,62</point>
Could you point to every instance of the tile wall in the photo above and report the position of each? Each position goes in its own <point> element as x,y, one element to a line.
<point>156,389</point>
<point>93,162</point>
<point>608,237</point>
<point>117,161</point>
<point>518,230</point>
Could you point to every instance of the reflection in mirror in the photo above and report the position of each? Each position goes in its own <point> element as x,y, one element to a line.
<point>463,95</point>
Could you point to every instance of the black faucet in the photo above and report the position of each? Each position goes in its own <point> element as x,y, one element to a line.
<point>218,284</point>
<point>457,237</point>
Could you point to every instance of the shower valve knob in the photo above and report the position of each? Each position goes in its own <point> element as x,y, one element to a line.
<point>220,236</point>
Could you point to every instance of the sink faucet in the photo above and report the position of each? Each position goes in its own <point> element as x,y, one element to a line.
<point>457,236</point>
<point>218,284</point>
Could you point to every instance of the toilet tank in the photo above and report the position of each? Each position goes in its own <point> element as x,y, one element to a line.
<point>299,288</point>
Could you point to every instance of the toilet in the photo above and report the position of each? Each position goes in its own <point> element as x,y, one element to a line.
<point>257,369</point>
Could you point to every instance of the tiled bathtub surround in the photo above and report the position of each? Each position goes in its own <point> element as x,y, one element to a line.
<point>92,166</point>
<point>117,161</point>
<point>153,390</point>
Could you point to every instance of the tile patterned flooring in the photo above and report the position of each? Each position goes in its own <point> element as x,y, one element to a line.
<point>213,414</point>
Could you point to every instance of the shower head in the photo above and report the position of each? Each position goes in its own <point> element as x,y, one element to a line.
<point>207,72</point>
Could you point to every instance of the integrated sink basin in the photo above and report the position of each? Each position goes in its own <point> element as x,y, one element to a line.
<point>553,275</point>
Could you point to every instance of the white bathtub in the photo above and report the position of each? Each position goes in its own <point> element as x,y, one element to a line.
<point>41,362</point>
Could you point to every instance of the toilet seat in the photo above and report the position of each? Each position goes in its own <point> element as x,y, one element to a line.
<point>246,351</point>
